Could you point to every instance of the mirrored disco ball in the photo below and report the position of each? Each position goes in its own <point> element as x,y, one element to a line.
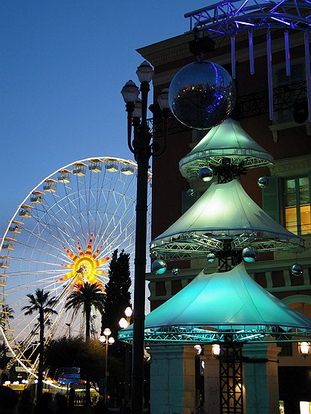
<point>263,182</point>
<point>210,257</point>
<point>158,267</point>
<point>249,255</point>
<point>191,192</point>
<point>206,174</point>
<point>202,95</point>
<point>297,269</point>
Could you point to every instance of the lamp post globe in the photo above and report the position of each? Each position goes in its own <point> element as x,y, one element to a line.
<point>139,142</point>
<point>107,332</point>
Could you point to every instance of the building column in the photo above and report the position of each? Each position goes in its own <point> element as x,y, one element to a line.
<point>211,382</point>
<point>172,380</point>
<point>261,378</point>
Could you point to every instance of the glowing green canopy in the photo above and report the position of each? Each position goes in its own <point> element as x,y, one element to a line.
<point>224,212</point>
<point>226,140</point>
<point>215,306</point>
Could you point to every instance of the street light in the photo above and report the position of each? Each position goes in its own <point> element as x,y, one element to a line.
<point>125,322</point>
<point>216,350</point>
<point>304,348</point>
<point>108,340</point>
<point>143,149</point>
<point>128,313</point>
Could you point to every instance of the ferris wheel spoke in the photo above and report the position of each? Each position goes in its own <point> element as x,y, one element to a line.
<point>57,251</point>
<point>58,215</point>
<point>110,223</point>
<point>42,232</point>
<point>83,210</point>
<point>119,241</point>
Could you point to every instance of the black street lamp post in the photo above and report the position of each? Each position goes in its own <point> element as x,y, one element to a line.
<point>142,149</point>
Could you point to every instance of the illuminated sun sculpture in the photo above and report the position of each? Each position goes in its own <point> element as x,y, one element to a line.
<point>84,266</point>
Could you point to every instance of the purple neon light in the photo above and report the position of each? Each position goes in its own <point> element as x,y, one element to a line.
<point>269,66</point>
<point>245,23</point>
<point>251,52</point>
<point>287,53</point>
<point>233,71</point>
<point>280,20</point>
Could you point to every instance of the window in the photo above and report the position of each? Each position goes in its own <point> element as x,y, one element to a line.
<point>286,349</point>
<point>297,205</point>
<point>293,90</point>
<point>291,205</point>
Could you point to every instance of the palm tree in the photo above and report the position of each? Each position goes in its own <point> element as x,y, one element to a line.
<point>85,296</point>
<point>5,315</point>
<point>41,303</point>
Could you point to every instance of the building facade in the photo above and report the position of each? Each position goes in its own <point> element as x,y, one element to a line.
<point>286,199</point>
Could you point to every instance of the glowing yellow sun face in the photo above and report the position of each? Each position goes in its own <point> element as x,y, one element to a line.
<point>84,266</point>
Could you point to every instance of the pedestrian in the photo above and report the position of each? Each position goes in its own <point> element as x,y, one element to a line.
<point>60,404</point>
<point>25,404</point>
<point>44,404</point>
<point>72,398</point>
<point>8,400</point>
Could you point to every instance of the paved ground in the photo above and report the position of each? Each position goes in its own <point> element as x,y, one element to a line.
<point>83,410</point>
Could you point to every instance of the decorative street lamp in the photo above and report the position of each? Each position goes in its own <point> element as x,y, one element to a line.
<point>304,348</point>
<point>142,148</point>
<point>216,350</point>
<point>125,322</point>
<point>107,340</point>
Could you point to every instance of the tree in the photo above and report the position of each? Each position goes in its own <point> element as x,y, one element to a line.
<point>6,314</point>
<point>118,297</point>
<point>85,296</point>
<point>88,356</point>
<point>41,303</point>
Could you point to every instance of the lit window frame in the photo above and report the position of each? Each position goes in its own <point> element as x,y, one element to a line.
<point>300,228</point>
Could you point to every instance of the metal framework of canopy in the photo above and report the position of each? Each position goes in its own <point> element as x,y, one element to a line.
<point>228,18</point>
<point>225,141</point>
<point>222,307</point>
<point>223,214</point>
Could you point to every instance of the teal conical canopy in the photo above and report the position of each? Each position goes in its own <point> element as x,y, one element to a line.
<point>216,305</point>
<point>224,212</point>
<point>227,140</point>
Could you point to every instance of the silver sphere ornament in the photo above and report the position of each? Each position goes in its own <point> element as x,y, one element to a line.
<point>191,192</point>
<point>249,255</point>
<point>296,269</point>
<point>202,95</point>
<point>206,174</point>
<point>175,271</point>
<point>263,182</point>
<point>210,257</point>
<point>158,267</point>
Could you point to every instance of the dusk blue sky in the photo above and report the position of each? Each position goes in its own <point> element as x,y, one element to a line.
<point>63,64</point>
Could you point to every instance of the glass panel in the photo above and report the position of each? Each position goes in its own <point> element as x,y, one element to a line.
<point>304,190</point>
<point>290,192</point>
<point>297,202</point>
<point>291,219</point>
<point>305,219</point>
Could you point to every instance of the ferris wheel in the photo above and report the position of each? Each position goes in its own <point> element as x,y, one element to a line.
<point>64,232</point>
